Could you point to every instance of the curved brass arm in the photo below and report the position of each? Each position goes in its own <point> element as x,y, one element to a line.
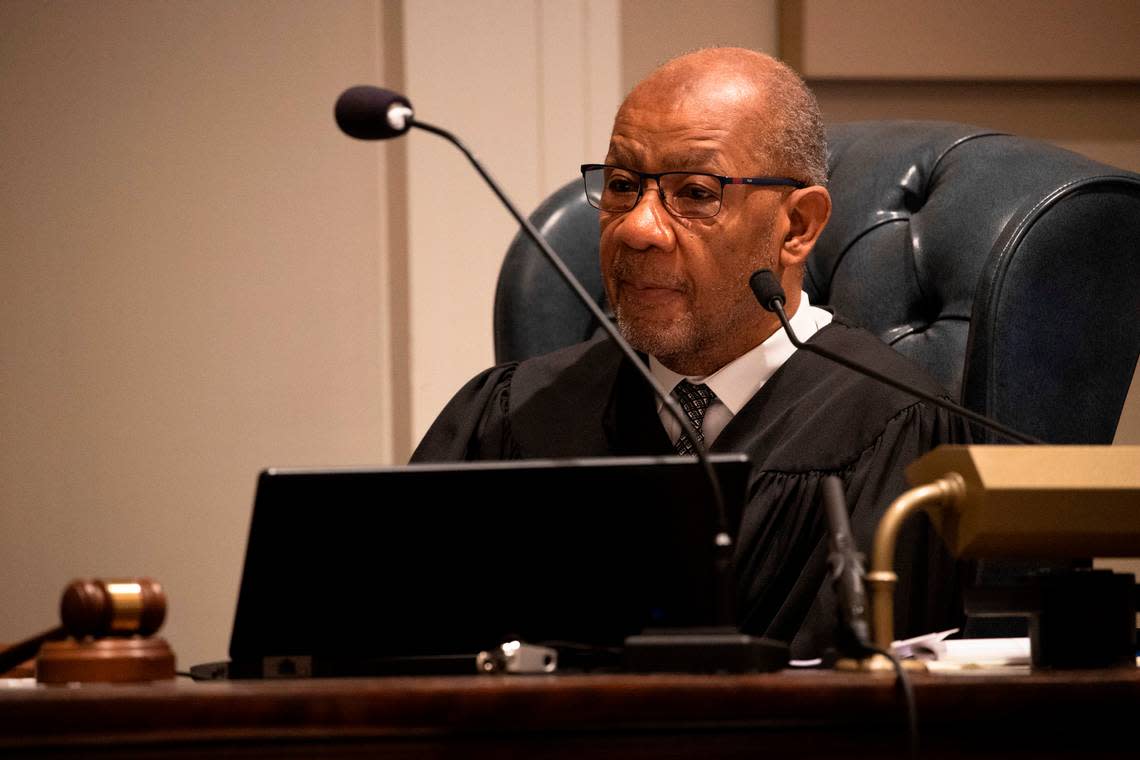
<point>943,492</point>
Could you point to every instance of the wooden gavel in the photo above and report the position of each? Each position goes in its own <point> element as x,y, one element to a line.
<point>94,608</point>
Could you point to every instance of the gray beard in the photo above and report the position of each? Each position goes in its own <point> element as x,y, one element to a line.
<point>662,341</point>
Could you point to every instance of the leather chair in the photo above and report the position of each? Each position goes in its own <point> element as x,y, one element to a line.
<point>1008,268</point>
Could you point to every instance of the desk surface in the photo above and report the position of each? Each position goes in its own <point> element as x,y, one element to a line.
<point>802,713</point>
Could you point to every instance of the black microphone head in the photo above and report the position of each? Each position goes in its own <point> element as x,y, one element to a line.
<point>766,288</point>
<point>372,113</point>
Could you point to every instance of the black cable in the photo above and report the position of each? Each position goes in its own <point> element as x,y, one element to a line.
<point>907,690</point>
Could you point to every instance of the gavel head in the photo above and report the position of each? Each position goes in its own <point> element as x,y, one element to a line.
<point>120,607</point>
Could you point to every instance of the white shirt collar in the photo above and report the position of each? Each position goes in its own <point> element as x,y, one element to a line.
<point>738,381</point>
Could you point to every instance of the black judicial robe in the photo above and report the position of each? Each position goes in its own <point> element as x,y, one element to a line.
<point>811,419</point>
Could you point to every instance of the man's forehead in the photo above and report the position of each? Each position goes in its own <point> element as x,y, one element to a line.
<point>715,89</point>
<point>668,139</point>
<point>666,155</point>
<point>691,120</point>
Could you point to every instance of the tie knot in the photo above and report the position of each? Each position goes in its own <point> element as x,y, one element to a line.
<point>694,400</point>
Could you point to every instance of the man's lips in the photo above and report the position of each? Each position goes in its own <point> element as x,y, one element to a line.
<point>650,285</point>
<point>648,291</point>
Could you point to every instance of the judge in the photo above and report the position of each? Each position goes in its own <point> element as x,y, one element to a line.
<point>716,168</point>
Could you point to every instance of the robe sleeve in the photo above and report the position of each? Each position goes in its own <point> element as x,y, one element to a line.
<point>474,425</point>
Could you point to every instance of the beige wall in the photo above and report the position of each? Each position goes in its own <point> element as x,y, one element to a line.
<point>192,288</point>
<point>1067,72</point>
<point>530,87</point>
<point>653,31</point>
<point>966,40</point>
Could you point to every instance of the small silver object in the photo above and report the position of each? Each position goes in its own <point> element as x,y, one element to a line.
<point>517,657</point>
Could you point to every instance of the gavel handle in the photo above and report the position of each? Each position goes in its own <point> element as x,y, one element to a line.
<point>27,649</point>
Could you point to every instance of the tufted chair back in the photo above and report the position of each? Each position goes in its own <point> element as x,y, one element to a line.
<point>1010,269</point>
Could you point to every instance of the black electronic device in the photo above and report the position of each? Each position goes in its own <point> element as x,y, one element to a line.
<point>419,568</point>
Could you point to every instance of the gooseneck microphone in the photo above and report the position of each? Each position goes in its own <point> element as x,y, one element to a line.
<point>770,294</point>
<point>846,563</point>
<point>372,113</point>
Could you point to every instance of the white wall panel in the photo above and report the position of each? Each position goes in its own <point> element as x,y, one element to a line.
<point>524,84</point>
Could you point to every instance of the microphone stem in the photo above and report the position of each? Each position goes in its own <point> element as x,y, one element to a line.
<point>950,406</point>
<point>723,539</point>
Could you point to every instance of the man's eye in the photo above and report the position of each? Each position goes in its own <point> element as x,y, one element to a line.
<point>695,192</point>
<point>621,185</point>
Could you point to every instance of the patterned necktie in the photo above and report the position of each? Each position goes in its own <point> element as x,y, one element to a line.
<point>695,400</point>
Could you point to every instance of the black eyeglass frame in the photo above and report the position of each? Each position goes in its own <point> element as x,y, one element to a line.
<point>642,176</point>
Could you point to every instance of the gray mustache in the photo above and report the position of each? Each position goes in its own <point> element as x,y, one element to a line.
<point>625,268</point>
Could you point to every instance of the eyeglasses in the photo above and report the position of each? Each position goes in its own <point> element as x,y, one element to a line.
<point>690,195</point>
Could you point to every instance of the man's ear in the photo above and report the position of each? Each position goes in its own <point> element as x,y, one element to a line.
<point>808,210</point>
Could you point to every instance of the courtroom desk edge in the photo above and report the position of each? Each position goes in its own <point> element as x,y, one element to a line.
<point>405,713</point>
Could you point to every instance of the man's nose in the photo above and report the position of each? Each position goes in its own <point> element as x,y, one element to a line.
<point>648,224</point>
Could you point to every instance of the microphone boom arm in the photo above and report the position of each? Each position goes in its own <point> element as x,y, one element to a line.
<point>777,305</point>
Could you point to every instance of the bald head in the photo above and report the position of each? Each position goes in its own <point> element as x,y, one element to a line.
<point>759,97</point>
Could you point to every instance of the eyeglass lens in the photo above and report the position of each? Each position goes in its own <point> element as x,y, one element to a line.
<point>688,195</point>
